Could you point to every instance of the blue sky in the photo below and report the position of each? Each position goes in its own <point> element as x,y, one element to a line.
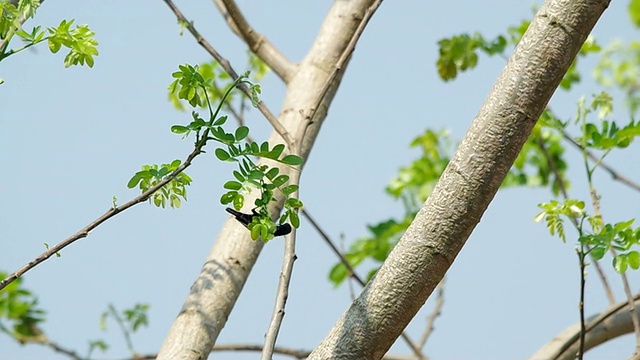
<point>72,138</point>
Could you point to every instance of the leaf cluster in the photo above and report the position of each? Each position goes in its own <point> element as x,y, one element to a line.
<point>79,40</point>
<point>151,175</point>
<point>20,315</point>
<point>194,84</point>
<point>460,52</point>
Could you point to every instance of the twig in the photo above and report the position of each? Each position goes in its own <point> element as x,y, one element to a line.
<point>595,199</point>
<point>257,42</point>
<point>84,232</point>
<point>563,189</point>
<point>278,127</point>
<point>288,260</point>
<point>614,174</point>
<point>431,319</point>
<point>345,55</point>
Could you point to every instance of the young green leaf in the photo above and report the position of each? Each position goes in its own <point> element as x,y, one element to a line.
<point>241,133</point>
<point>292,160</point>
<point>232,185</point>
<point>289,189</point>
<point>179,129</point>
<point>222,155</point>
<point>280,180</point>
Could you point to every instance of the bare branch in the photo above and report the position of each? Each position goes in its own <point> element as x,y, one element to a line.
<point>431,319</point>
<point>227,67</point>
<point>113,211</point>
<point>257,42</point>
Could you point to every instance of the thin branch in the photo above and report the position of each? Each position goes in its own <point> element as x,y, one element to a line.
<point>257,42</point>
<point>563,189</point>
<point>595,199</point>
<point>346,54</point>
<point>431,319</point>
<point>84,232</point>
<point>278,127</point>
<point>287,262</point>
<point>614,174</point>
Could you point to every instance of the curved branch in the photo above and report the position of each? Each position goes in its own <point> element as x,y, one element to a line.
<point>257,42</point>
<point>609,324</point>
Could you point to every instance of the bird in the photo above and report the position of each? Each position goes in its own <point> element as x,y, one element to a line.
<point>246,219</point>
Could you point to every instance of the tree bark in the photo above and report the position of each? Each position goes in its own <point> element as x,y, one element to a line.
<point>430,245</point>
<point>215,291</point>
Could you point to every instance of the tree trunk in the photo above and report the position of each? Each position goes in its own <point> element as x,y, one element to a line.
<point>426,251</point>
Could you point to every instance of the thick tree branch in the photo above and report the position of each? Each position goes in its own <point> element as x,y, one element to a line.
<point>258,43</point>
<point>233,255</point>
<point>431,243</point>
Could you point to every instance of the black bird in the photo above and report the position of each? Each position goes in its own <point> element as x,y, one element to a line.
<point>246,219</point>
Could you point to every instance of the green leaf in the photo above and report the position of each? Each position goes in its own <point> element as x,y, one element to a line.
<point>620,263</point>
<point>238,176</point>
<point>290,189</point>
<point>272,173</point>
<point>276,151</point>
<point>264,147</point>
<point>338,273</point>
<point>255,231</point>
<point>238,202</point>
<point>222,155</point>
<point>228,197</point>
<point>220,121</point>
<point>598,252</point>
<point>280,180</point>
<point>295,220</point>
<point>241,133</point>
<point>633,257</point>
<point>634,12</point>
<point>292,160</point>
<point>232,185</point>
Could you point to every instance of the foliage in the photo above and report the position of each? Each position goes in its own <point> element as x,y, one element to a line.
<point>193,85</point>
<point>129,321</point>
<point>460,52</point>
<point>151,175</point>
<point>79,40</point>
<point>20,315</point>
<point>601,135</point>
<point>541,162</point>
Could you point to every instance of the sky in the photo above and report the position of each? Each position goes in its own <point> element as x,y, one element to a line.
<point>72,138</point>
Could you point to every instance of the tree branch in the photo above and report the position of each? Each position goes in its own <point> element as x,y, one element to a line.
<point>430,245</point>
<point>609,324</point>
<point>257,42</point>
<point>288,260</point>
<point>614,174</point>
<point>227,67</point>
<point>84,232</point>
<point>216,289</point>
